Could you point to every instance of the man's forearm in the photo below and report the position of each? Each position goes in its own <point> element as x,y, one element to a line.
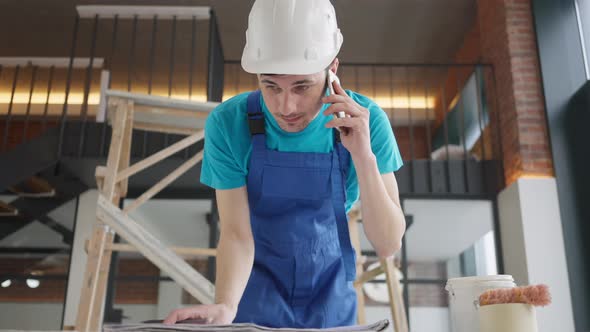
<point>235,257</point>
<point>383,219</point>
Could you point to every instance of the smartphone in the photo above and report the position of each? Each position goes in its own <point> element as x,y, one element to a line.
<point>331,78</point>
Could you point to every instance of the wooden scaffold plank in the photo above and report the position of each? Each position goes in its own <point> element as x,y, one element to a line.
<point>126,111</point>
<point>153,249</point>
<point>92,297</point>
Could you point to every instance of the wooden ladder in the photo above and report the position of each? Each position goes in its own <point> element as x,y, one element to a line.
<point>125,112</point>
<point>387,266</point>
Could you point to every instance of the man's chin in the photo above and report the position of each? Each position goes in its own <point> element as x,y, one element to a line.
<point>293,128</point>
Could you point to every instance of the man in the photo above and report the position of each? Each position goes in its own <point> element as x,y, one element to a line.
<point>286,170</point>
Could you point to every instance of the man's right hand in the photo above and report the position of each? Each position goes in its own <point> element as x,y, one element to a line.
<point>235,258</point>
<point>220,314</point>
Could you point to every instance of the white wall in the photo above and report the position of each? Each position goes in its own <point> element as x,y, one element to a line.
<point>178,222</point>
<point>533,246</point>
<point>85,221</point>
<point>30,316</point>
<point>47,316</point>
<point>439,232</point>
<point>443,229</point>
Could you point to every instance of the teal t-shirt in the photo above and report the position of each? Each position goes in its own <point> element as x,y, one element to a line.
<point>228,145</point>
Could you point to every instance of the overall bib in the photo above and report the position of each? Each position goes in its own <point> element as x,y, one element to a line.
<point>304,263</point>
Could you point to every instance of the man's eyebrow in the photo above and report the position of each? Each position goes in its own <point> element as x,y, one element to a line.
<point>267,81</point>
<point>304,81</point>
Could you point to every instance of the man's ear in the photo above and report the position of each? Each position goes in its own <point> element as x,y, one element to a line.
<point>334,66</point>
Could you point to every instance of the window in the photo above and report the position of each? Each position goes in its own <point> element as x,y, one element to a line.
<point>583,13</point>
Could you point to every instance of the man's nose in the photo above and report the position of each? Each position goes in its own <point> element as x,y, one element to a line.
<point>288,105</point>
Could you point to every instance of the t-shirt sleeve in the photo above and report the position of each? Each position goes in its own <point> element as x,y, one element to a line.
<point>383,142</point>
<point>219,168</point>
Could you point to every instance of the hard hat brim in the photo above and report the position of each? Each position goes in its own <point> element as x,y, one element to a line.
<point>286,66</point>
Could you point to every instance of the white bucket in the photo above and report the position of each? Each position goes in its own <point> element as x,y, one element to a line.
<point>464,298</point>
<point>509,317</point>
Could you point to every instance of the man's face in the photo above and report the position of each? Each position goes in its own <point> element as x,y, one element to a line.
<point>293,100</point>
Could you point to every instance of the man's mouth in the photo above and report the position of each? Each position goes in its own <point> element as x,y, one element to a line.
<point>292,119</point>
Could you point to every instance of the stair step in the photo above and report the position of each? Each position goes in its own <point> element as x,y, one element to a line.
<point>66,187</point>
<point>7,210</point>
<point>34,187</point>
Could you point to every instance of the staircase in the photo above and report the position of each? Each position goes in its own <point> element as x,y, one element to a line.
<point>33,174</point>
<point>29,158</point>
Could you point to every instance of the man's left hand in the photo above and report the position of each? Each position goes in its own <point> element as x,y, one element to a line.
<point>354,128</point>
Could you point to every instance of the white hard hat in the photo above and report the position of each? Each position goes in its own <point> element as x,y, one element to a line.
<point>293,37</point>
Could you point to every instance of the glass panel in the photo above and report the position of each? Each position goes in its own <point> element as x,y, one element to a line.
<point>584,16</point>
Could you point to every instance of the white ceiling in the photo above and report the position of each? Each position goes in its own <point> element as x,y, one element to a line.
<point>390,31</point>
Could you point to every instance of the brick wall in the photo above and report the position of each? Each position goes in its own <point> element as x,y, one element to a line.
<point>16,131</point>
<point>503,36</point>
<point>507,41</point>
<point>53,291</point>
<point>420,149</point>
<point>136,292</point>
<point>47,292</point>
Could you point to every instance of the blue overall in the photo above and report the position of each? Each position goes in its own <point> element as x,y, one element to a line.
<point>304,264</point>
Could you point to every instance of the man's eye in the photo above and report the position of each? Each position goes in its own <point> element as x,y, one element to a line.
<point>302,88</point>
